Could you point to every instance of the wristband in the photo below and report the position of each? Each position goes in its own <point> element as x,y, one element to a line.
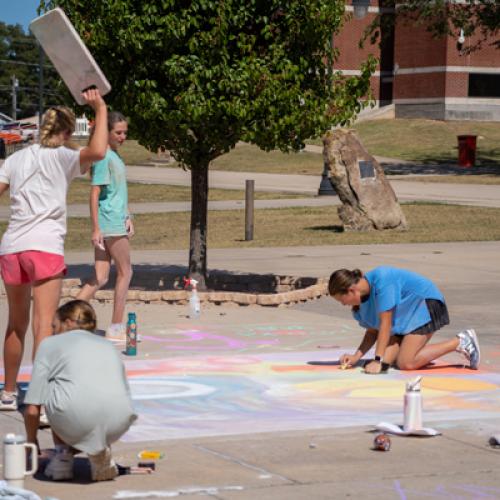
<point>378,359</point>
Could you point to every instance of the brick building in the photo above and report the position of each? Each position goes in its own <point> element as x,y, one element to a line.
<point>421,75</point>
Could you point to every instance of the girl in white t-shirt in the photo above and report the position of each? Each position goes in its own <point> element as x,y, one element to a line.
<point>32,247</point>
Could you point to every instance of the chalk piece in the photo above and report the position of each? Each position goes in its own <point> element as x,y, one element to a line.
<point>345,366</point>
<point>312,445</point>
<point>150,455</point>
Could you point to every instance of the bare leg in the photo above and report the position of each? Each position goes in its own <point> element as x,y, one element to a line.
<point>415,352</point>
<point>46,296</point>
<point>19,298</point>
<point>119,248</point>
<point>101,275</point>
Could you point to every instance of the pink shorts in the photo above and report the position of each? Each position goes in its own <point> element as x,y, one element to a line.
<point>30,266</point>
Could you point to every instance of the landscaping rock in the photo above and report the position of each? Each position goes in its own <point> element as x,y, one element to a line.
<point>368,200</point>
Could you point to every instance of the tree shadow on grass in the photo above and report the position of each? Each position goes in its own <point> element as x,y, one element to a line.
<point>336,228</point>
<point>442,166</point>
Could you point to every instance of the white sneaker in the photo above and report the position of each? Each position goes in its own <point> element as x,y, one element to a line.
<point>102,466</point>
<point>116,333</point>
<point>8,401</point>
<point>60,466</point>
<point>44,421</point>
<point>469,347</point>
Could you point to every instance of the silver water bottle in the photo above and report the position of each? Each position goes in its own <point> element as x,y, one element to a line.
<point>413,406</point>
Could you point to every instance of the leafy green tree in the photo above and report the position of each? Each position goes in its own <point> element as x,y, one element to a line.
<point>479,18</point>
<point>19,58</point>
<point>196,77</point>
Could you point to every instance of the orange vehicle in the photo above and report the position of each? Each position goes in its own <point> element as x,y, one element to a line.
<point>10,138</point>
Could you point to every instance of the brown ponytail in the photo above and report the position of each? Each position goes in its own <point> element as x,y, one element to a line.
<point>79,311</point>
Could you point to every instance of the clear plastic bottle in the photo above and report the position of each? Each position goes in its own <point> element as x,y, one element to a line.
<point>194,300</point>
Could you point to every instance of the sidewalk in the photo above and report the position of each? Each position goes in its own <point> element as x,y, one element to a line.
<point>406,191</point>
<point>240,414</point>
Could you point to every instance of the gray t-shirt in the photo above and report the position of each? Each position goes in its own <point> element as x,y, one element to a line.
<point>81,380</point>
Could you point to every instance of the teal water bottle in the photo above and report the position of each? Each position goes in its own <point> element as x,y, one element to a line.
<point>131,346</point>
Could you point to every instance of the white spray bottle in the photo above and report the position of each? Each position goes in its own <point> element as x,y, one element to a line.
<point>413,406</point>
<point>194,300</point>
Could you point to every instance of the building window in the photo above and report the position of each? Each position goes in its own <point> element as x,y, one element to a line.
<point>484,85</point>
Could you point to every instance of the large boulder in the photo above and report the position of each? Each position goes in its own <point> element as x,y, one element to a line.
<point>368,200</point>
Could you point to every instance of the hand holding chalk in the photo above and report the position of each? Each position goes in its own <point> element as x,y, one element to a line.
<point>348,361</point>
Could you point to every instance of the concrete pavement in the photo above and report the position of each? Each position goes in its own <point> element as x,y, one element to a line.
<point>240,414</point>
<point>406,190</point>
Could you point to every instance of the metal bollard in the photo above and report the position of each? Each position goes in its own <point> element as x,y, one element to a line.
<point>249,205</point>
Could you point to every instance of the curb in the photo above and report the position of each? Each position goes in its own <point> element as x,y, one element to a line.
<point>71,288</point>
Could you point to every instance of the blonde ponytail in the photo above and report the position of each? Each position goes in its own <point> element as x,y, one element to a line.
<point>55,121</point>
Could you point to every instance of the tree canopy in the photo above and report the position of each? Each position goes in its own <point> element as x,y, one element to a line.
<point>197,77</point>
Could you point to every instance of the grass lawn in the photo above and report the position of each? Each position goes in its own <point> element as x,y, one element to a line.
<point>131,151</point>
<point>80,189</point>
<point>249,158</point>
<point>134,154</point>
<point>418,140</point>
<point>427,141</point>
<point>312,226</point>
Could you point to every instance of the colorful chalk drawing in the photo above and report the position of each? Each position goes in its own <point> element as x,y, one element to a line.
<point>241,339</point>
<point>237,394</point>
<point>248,379</point>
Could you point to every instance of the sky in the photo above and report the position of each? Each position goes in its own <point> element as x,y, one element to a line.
<point>18,11</point>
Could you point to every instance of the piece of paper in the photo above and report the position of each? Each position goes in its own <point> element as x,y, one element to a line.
<point>398,429</point>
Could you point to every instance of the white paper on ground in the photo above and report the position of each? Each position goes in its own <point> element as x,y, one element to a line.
<point>398,429</point>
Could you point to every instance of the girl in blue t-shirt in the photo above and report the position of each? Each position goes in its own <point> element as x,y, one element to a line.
<point>111,226</point>
<point>400,311</point>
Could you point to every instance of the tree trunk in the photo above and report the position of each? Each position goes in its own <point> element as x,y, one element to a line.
<point>198,233</point>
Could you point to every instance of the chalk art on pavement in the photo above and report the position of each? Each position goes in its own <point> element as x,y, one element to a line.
<point>220,395</point>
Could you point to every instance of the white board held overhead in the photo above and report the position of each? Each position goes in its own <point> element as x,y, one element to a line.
<point>68,54</point>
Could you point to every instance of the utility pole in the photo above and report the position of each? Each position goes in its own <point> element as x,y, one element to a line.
<point>15,86</point>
